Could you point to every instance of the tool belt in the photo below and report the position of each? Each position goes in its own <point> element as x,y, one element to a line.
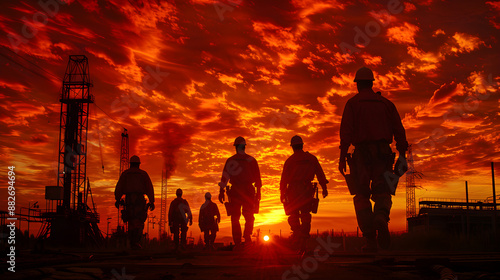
<point>303,198</point>
<point>135,207</point>
<point>245,192</point>
<point>369,152</point>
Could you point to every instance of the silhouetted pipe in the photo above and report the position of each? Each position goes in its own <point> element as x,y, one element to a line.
<point>494,199</point>
<point>467,194</point>
<point>467,211</point>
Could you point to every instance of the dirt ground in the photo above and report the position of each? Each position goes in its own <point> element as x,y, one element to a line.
<point>323,260</point>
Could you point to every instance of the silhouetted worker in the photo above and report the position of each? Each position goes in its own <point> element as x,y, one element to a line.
<point>179,214</point>
<point>297,190</point>
<point>369,122</point>
<point>209,220</point>
<point>242,171</point>
<point>134,183</point>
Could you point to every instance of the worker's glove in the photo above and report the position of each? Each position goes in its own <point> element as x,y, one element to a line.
<point>258,194</point>
<point>217,220</point>
<point>190,222</point>
<point>118,203</point>
<point>325,192</point>
<point>342,165</point>
<point>282,197</point>
<point>401,166</point>
<point>221,196</point>
<point>151,206</point>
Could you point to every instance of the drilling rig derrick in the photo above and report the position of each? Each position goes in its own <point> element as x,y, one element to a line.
<point>73,222</point>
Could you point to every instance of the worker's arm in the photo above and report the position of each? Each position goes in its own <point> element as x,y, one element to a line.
<point>399,133</point>
<point>119,189</point>
<point>321,177</point>
<point>170,213</point>
<point>346,135</point>
<point>223,183</point>
<point>257,179</point>
<point>200,214</point>
<point>190,215</point>
<point>217,213</point>
<point>284,181</point>
<point>150,191</point>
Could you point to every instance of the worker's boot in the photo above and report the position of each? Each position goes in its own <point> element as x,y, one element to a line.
<point>383,234</point>
<point>135,239</point>
<point>381,209</point>
<point>370,245</point>
<point>365,223</point>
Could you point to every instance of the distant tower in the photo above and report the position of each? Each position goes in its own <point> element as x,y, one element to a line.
<point>124,152</point>
<point>75,100</point>
<point>74,223</point>
<point>124,165</point>
<point>411,175</point>
<point>163,207</point>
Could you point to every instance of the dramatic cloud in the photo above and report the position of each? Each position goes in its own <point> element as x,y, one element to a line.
<point>187,77</point>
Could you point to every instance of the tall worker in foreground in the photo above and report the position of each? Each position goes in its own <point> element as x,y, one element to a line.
<point>134,183</point>
<point>242,171</point>
<point>370,122</point>
<point>297,190</point>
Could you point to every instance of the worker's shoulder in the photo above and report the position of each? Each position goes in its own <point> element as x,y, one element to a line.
<point>385,100</point>
<point>311,156</point>
<point>242,156</point>
<point>135,170</point>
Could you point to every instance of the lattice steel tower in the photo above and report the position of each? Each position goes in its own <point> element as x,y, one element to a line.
<point>163,210</point>
<point>411,175</point>
<point>75,100</point>
<point>74,223</point>
<point>124,165</point>
<point>124,152</point>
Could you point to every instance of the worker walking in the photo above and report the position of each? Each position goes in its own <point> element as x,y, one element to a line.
<point>209,220</point>
<point>242,171</point>
<point>179,215</point>
<point>134,183</point>
<point>297,190</point>
<point>370,122</point>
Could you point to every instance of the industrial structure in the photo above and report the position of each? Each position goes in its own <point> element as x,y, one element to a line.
<point>69,220</point>
<point>124,165</point>
<point>411,176</point>
<point>457,216</point>
<point>163,206</point>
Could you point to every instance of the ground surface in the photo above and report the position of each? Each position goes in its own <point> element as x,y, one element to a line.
<point>270,261</point>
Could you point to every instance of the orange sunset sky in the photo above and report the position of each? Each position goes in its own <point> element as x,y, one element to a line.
<point>187,77</point>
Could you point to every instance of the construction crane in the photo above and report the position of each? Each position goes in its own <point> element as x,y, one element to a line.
<point>73,222</point>
<point>411,175</point>
<point>163,206</point>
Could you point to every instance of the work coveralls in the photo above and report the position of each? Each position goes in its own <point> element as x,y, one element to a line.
<point>369,122</point>
<point>242,171</point>
<point>298,172</point>
<point>208,221</point>
<point>134,183</point>
<point>179,214</point>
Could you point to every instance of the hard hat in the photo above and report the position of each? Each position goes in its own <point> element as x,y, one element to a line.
<point>296,140</point>
<point>135,159</point>
<point>364,74</point>
<point>239,141</point>
<point>208,195</point>
<point>178,192</point>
